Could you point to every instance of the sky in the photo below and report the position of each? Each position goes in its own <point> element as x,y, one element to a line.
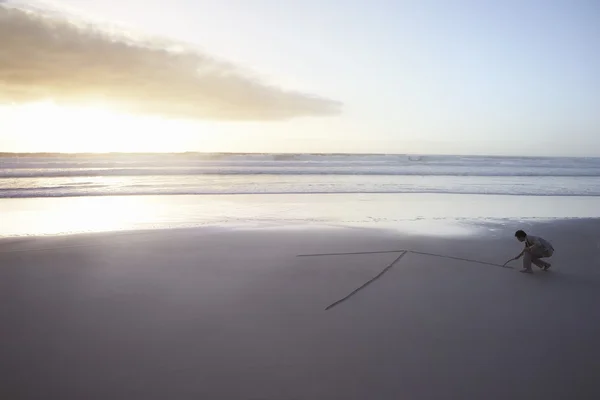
<point>437,77</point>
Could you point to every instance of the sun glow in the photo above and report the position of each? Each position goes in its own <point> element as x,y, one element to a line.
<point>98,128</point>
<point>90,128</point>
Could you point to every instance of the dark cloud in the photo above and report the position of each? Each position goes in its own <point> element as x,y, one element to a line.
<point>46,56</point>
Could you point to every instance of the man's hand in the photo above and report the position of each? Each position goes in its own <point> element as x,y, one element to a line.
<point>520,254</point>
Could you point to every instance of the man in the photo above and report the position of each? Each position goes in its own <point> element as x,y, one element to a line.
<point>535,249</point>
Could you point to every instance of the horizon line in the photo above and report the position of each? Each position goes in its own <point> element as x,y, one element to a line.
<point>225,153</point>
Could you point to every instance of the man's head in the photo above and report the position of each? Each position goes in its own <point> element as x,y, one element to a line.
<point>520,235</point>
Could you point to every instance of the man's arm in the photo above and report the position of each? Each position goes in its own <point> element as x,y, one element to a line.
<point>521,254</point>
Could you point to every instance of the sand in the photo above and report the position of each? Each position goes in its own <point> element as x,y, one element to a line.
<point>224,314</point>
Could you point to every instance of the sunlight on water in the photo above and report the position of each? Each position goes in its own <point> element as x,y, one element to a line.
<point>416,213</point>
<point>71,215</point>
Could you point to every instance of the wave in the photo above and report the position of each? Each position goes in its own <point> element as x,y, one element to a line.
<point>53,194</point>
<point>306,170</point>
<point>292,164</point>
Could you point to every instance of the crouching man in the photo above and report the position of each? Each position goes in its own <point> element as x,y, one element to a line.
<point>535,249</point>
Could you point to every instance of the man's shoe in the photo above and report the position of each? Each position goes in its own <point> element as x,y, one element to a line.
<point>527,271</point>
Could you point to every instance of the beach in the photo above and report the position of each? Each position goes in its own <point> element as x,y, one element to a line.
<point>279,277</point>
<point>235,200</point>
<point>216,313</point>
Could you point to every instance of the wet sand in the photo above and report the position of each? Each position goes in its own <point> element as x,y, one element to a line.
<point>217,314</point>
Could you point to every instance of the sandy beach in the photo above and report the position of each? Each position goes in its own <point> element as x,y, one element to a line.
<point>225,314</point>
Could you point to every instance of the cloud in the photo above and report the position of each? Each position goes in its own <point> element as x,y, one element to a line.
<point>46,55</point>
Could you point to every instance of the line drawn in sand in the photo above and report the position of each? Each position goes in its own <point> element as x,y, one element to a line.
<point>401,253</point>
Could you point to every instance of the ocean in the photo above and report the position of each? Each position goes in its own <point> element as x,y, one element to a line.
<point>55,194</point>
<point>76,175</point>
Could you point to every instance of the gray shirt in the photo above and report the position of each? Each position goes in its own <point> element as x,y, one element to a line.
<point>539,242</point>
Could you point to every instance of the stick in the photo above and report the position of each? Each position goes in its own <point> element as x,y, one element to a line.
<point>504,265</point>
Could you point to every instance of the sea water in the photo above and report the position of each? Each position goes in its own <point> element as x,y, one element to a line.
<point>59,175</point>
<point>58,194</point>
